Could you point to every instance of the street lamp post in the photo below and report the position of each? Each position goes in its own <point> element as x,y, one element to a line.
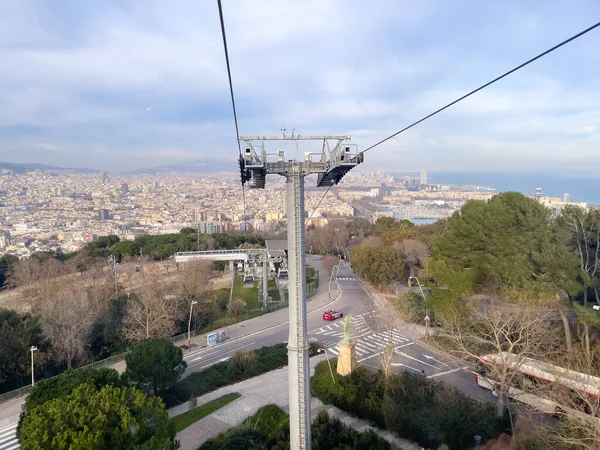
<point>32,349</point>
<point>331,278</point>
<point>190,325</point>
<point>328,363</point>
<point>426,309</point>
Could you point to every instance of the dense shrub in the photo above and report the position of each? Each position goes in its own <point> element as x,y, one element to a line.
<point>412,406</point>
<point>269,429</point>
<point>240,367</point>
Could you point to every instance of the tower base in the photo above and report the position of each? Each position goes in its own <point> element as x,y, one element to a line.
<point>346,358</point>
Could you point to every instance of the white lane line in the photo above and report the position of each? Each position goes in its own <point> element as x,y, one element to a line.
<point>333,350</point>
<point>415,359</point>
<point>217,362</point>
<point>230,351</point>
<point>404,365</point>
<point>368,357</point>
<point>436,360</point>
<point>328,327</point>
<point>336,324</point>
<point>447,372</point>
<point>403,345</point>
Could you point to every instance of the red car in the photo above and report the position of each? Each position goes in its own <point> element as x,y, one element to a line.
<point>332,314</point>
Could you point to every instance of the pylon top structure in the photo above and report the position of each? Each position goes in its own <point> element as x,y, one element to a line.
<point>330,163</point>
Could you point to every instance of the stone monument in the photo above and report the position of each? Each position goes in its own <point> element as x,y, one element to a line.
<point>347,352</point>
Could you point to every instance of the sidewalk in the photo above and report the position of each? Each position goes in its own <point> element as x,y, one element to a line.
<point>10,410</point>
<point>271,387</point>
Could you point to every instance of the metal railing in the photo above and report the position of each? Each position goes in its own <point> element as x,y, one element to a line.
<point>95,365</point>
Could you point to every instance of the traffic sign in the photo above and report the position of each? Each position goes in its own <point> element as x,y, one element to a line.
<point>427,319</point>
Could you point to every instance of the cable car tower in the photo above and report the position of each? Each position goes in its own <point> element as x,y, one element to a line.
<point>331,164</point>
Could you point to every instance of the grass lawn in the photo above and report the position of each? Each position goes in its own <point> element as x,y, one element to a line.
<point>184,420</point>
<point>248,294</point>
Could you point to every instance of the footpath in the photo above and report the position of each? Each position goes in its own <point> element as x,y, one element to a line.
<point>269,388</point>
<point>10,410</point>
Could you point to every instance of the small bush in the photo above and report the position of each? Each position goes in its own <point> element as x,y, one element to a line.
<point>269,429</point>
<point>242,362</point>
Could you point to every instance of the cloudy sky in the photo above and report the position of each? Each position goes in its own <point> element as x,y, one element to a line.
<point>123,84</point>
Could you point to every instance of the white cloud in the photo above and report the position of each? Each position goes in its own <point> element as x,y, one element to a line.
<point>146,79</point>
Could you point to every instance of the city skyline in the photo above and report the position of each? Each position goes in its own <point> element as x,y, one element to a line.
<point>123,86</point>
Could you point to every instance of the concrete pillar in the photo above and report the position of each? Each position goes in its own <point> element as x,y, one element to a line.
<point>298,360</point>
<point>346,358</point>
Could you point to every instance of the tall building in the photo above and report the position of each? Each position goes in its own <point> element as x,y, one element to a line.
<point>538,194</point>
<point>208,227</point>
<point>566,197</point>
<point>124,188</point>
<point>423,177</point>
<point>102,176</point>
<point>103,214</point>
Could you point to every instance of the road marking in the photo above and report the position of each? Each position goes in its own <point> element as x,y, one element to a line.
<point>371,356</point>
<point>447,372</point>
<point>433,359</point>
<point>415,359</point>
<point>217,362</point>
<point>224,353</point>
<point>402,346</point>
<point>196,359</point>
<point>329,327</point>
<point>404,365</point>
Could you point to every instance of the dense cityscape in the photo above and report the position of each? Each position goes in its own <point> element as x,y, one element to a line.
<point>53,211</point>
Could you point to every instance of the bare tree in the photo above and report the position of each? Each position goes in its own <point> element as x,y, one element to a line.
<point>236,306</point>
<point>329,262</point>
<point>38,279</point>
<point>413,252</point>
<point>153,311</point>
<point>511,333</point>
<point>66,319</point>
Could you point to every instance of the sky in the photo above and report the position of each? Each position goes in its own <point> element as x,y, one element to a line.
<point>125,84</point>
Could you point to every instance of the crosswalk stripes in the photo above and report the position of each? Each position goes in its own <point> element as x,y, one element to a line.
<point>368,341</point>
<point>346,278</point>
<point>8,437</point>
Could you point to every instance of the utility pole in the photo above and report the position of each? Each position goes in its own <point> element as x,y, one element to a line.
<point>190,325</point>
<point>32,349</point>
<point>265,281</point>
<point>331,278</point>
<point>330,165</point>
<point>427,318</point>
<point>112,260</point>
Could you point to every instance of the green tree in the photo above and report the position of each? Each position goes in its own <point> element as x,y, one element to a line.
<point>493,243</point>
<point>17,334</point>
<point>155,363</point>
<point>7,262</point>
<point>584,230</point>
<point>88,418</point>
<point>64,384</point>
<point>379,265</point>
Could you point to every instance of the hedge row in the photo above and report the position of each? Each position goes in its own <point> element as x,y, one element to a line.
<point>412,406</point>
<point>269,429</point>
<point>243,365</point>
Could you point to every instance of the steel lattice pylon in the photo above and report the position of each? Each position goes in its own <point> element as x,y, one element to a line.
<point>330,165</point>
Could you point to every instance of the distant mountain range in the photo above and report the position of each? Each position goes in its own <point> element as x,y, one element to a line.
<point>24,168</point>
<point>195,166</point>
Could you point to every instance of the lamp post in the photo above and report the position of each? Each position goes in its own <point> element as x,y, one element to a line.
<point>426,310</point>
<point>32,349</point>
<point>320,350</point>
<point>331,278</point>
<point>190,325</point>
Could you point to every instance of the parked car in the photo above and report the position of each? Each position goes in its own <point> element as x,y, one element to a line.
<point>332,314</point>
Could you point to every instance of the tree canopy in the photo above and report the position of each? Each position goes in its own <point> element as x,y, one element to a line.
<point>155,363</point>
<point>90,418</point>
